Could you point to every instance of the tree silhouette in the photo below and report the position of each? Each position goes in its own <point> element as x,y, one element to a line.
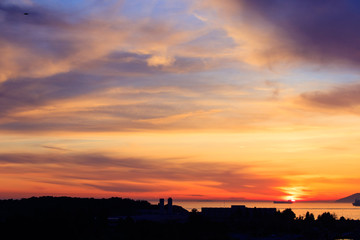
<point>288,214</point>
<point>309,217</point>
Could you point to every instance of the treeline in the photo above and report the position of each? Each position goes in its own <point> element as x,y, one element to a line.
<point>36,206</point>
<point>63,217</point>
<point>285,225</point>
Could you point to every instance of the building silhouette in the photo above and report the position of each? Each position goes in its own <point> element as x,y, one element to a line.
<point>161,205</point>
<point>170,206</point>
<point>224,214</point>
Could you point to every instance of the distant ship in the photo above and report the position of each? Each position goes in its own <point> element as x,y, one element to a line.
<point>357,202</point>
<point>288,201</point>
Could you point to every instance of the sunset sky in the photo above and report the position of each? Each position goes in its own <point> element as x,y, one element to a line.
<point>194,99</point>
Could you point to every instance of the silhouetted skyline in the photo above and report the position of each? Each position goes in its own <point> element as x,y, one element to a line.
<point>117,218</point>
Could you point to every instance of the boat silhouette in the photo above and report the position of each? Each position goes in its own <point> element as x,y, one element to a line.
<point>288,201</point>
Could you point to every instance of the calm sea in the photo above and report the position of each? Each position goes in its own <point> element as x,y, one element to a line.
<point>300,208</point>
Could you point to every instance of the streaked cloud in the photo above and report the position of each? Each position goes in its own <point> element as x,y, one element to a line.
<point>71,42</point>
<point>124,175</point>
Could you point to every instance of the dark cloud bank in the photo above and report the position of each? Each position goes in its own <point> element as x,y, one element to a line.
<point>323,31</point>
<point>320,32</point>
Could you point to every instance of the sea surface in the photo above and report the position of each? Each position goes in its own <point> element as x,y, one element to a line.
<point>346,210</point>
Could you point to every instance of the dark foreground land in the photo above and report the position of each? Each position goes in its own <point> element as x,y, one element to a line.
<point>116,218</point>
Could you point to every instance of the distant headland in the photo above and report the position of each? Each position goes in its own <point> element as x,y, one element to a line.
<point>349,199</point>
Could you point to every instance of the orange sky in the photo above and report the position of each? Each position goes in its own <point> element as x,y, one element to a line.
<point>189,99</point>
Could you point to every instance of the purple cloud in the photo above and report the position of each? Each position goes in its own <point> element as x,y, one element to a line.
<point>317,31</point>
<point>340,97</point>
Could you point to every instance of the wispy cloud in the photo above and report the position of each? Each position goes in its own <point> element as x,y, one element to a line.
<point>345,96</point>
<point>54,148</point>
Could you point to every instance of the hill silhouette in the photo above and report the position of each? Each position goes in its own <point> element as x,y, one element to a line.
<point>349,199</point>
